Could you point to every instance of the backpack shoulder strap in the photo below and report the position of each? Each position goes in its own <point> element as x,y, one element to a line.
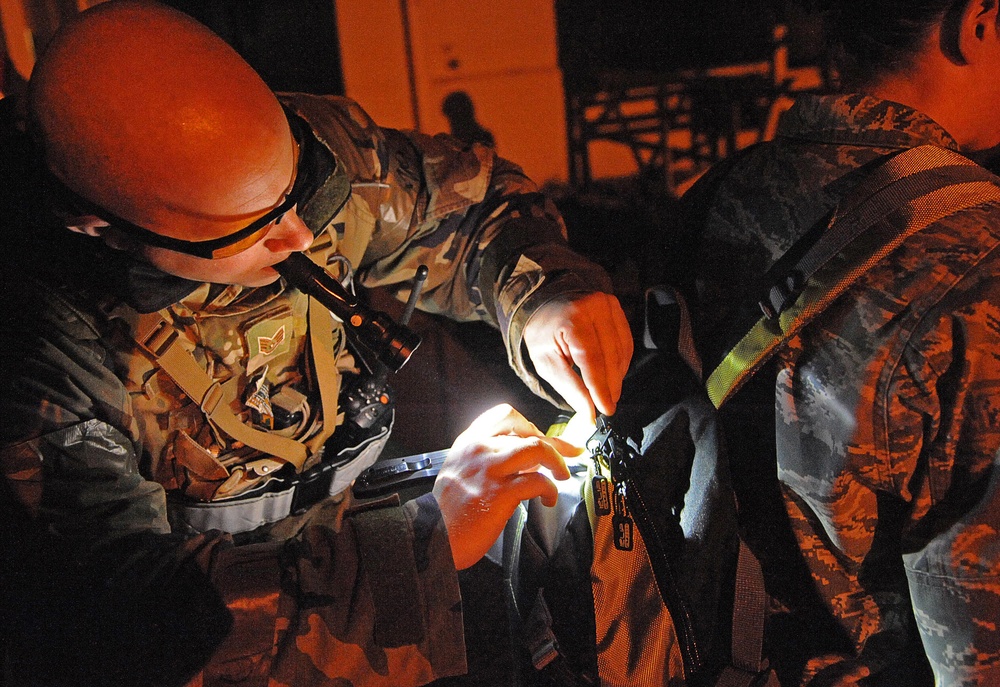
<point>906,194</point>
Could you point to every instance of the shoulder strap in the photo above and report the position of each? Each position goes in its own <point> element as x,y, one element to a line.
<point>748,666</point>
<point>906,194</point>
<point>158,338</point>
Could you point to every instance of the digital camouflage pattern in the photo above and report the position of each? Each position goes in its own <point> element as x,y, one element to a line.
<point>97,589</point>
<point>881,543</point>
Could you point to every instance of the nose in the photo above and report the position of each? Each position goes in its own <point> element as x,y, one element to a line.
<point>289,235</point>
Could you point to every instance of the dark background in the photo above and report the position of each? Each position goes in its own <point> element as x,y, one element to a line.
<point>294,43</point>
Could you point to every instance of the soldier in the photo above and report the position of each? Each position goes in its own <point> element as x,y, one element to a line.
<point>154,350</point>
<point>876,511</point>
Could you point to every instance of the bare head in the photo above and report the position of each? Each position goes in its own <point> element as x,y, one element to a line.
<point>145,112</point>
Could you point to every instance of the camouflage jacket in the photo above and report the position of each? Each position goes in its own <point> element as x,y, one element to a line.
<point>877,509</point>
<point>97,588</point>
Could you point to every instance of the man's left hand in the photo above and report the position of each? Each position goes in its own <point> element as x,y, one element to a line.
<point>582,347</point>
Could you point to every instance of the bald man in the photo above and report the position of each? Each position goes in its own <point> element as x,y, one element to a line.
<point>166,395</point>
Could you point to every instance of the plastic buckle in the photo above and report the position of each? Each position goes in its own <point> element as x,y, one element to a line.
<point>781,295</point>
<point>160,337</point>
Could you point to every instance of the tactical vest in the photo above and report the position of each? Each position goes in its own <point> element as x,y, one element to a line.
<point>235,390</point>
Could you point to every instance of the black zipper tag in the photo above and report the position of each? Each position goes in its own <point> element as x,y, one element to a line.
<point>602,495</point>
<point>623,532</point>
<point>621,505</point>
<point>621,523</point>
<point>609,495</point>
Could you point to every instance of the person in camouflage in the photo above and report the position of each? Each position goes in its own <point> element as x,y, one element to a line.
<point>876,511</point>
<point>185,180</point>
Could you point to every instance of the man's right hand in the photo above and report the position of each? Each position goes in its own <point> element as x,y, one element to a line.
<point>490,469</point>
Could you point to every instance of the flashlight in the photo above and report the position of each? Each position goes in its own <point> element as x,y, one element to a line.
<point>390,342</point>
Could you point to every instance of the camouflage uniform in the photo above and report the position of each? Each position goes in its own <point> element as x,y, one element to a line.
<point>878,517</point>
<point>97,587</point>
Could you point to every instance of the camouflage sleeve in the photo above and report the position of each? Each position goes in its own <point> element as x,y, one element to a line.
<point>946,393</point>
<point>95,589</point>
<point>938,422</point>
<point>888,430</point>
<point>495,246</point>
<point>955,590</point>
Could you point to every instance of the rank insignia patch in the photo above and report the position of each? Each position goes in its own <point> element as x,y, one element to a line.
<point>267,345</point>
<point>267,339</point>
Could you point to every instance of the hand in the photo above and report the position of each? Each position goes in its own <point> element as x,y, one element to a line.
<point>490,469</point>
<point>589,333</point>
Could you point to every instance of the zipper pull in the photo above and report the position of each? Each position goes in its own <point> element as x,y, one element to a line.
<point>621,522</point>
<point>618,455</point>
<point>602,495</point>
<point>600,450</point>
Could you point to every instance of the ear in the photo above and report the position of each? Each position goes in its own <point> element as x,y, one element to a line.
<point>87,224</point>
<point>98,228</point>
<point>977,30</point>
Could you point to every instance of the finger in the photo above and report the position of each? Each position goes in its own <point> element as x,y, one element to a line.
<point>586,348</point>
<point>564,447</point>
<point>626,344</point>
<point>578,431</point>
<point>625,341</point>
<point>529,485</point>
<point>617,337</point>
<point>517,425</point>
<point>608,343</point>
<point>502,419</point>
<point>518,455</point>
<point>557,369</point>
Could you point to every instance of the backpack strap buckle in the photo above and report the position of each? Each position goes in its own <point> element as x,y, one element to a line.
<point>781,295</point>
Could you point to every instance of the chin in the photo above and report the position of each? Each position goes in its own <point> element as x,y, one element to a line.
<point>266,276</point>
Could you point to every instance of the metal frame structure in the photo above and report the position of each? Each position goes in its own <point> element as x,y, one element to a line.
<point>677,124</point>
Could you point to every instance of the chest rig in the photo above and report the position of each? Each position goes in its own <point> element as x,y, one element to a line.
<point>236,396</point>
<point>237,392</point>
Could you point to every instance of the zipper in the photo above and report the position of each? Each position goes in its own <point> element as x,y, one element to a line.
<point>612,454</point>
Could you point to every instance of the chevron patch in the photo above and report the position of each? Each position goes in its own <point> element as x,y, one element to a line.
<point>266,340</point>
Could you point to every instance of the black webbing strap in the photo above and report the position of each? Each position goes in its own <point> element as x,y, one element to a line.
<point>511,569</point>
<point>897,182</point>
<point>904,197</point>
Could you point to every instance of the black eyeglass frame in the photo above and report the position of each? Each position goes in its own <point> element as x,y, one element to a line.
<point>208,249</point>
<point>205,249</point>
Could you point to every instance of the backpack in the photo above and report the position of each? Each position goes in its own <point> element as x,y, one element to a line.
<point>649,581</point>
